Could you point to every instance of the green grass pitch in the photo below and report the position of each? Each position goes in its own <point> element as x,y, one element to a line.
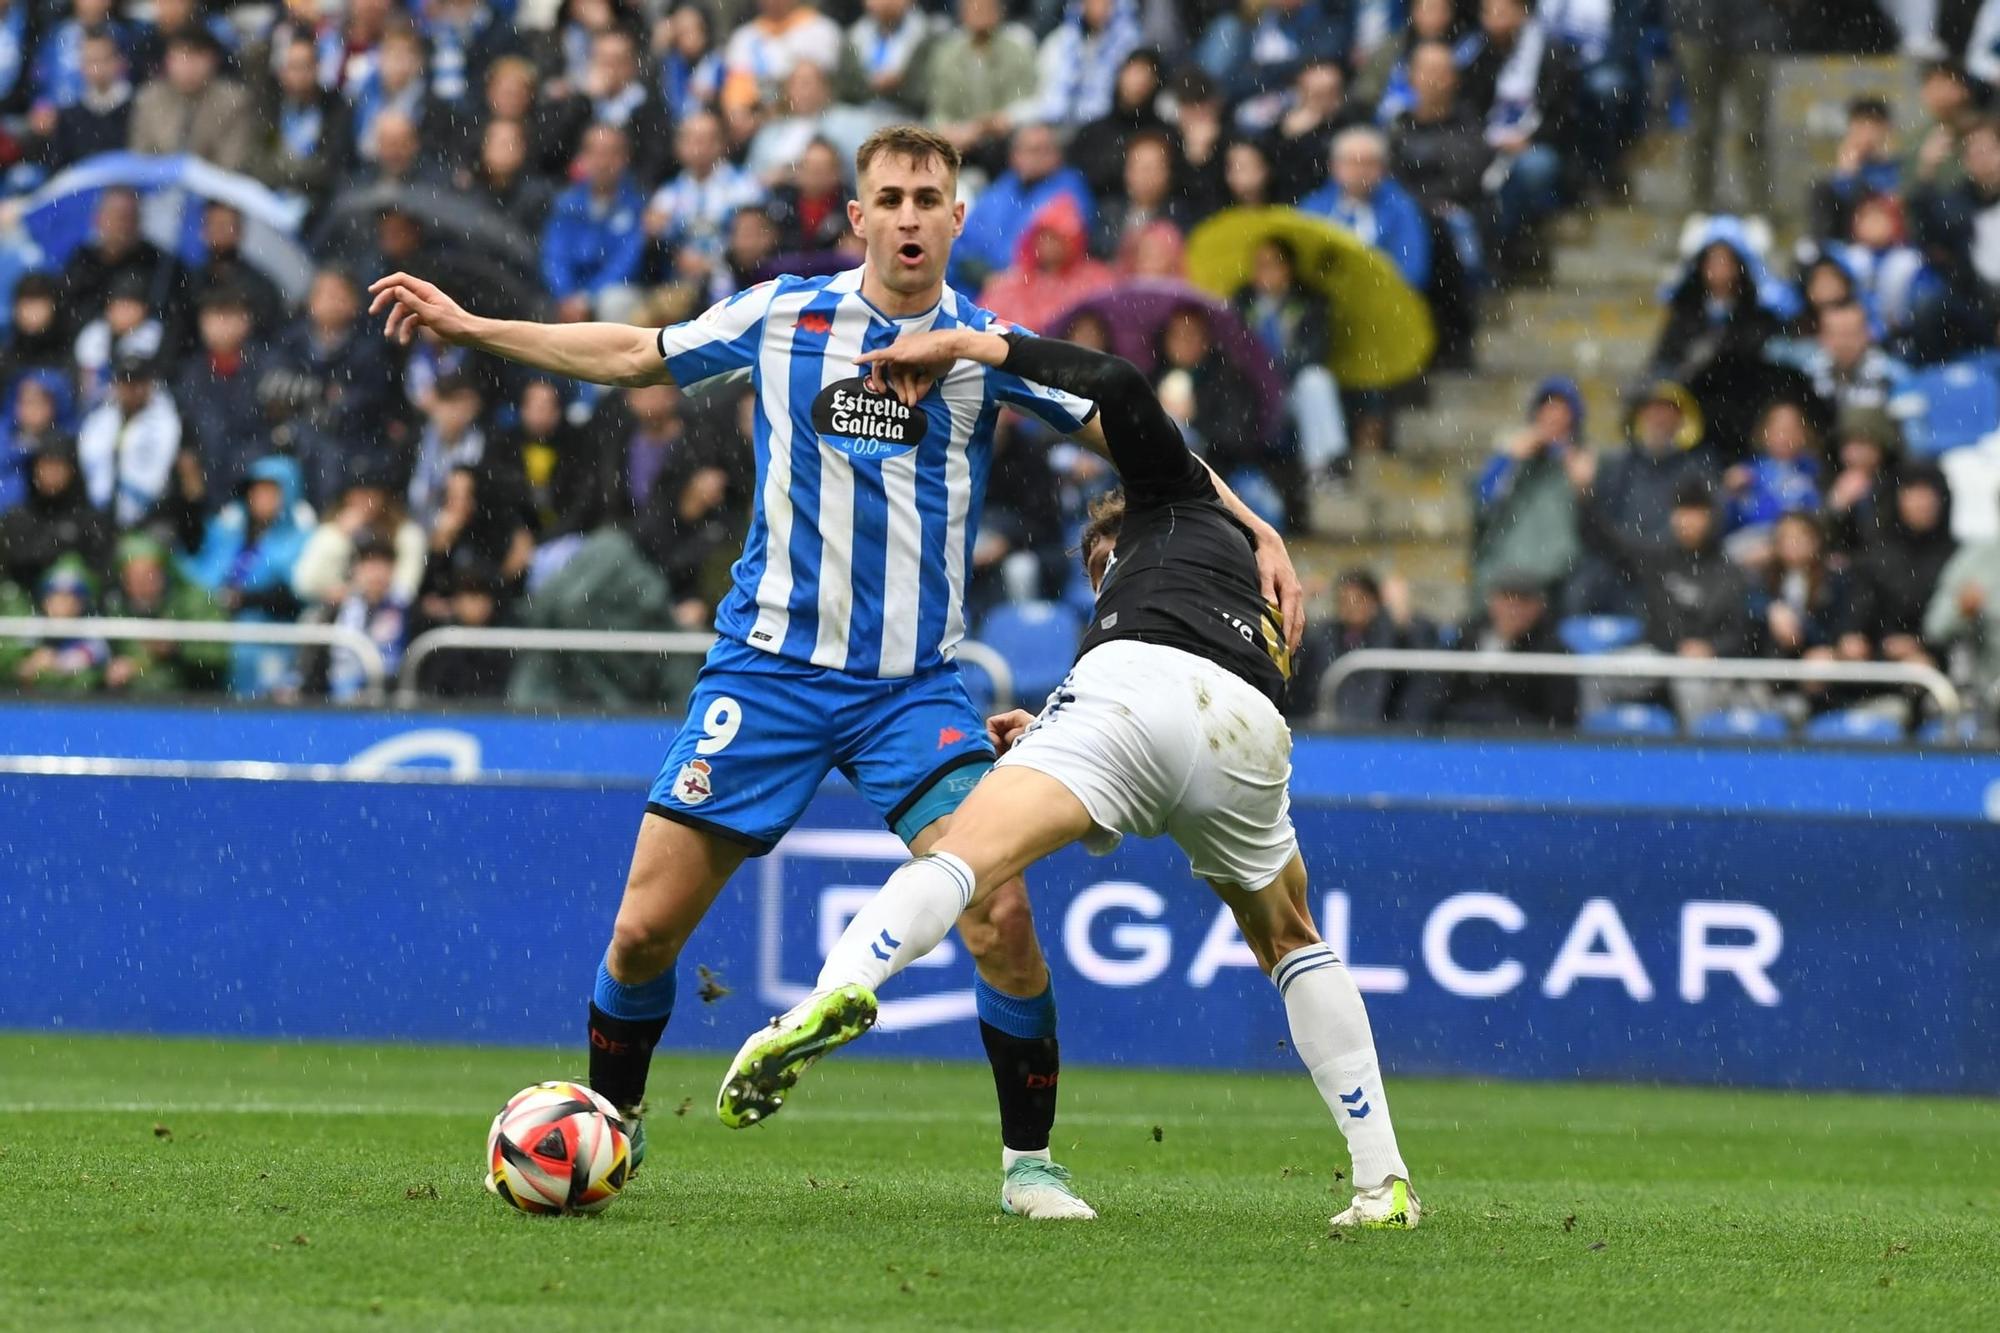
<point>201,1185</point>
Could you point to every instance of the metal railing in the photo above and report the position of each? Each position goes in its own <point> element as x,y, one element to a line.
<point>1642,667</point>
<point>374,669</point>
<point>689,643</point>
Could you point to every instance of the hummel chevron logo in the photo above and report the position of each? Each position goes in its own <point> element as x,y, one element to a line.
<point>888,939</point>
<point>1349,1098</point>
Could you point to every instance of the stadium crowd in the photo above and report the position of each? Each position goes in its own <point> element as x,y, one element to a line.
<point>198,420</point>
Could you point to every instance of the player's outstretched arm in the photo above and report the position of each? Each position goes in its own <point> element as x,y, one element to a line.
<point>1279,580</point>
<point>602,353</point>
<point>1148,442</point>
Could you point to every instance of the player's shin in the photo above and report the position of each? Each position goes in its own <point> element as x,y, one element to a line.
<point>1331,1033</point>
<point>626,1023</point>
<point>1020,1039</point>
<point>906,920</point>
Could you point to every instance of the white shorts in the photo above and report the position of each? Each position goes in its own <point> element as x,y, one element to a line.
<point>1155,740</point>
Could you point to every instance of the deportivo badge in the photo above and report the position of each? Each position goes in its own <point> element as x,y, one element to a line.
<point>692,787</point>
<point>856,421</point>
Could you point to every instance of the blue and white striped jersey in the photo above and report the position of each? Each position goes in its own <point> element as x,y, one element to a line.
<point>866,511</point>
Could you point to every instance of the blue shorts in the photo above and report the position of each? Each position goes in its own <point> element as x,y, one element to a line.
<point>763,731</point>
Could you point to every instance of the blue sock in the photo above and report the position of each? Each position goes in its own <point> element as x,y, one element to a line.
<point>1029,1018</point>
<point>649,1000</point>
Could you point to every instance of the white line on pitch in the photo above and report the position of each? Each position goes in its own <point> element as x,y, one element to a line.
<point>887,1115</point>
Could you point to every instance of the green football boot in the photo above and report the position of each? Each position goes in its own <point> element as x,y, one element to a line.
<point>774,1057</point>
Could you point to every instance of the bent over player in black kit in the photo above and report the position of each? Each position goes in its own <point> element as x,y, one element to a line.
<point>1168,723</point>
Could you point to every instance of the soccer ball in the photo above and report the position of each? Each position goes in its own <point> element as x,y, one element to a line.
<point>557,1148</point>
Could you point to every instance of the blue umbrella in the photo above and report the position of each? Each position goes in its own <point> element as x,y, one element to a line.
<point>56,219</point>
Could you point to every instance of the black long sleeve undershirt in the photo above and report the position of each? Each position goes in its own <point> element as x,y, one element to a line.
<point>1146,446</point>
<point>1184,573</point>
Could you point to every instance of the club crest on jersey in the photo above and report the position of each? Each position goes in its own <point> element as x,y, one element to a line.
<point>857,421</point>
<point>693,787</point>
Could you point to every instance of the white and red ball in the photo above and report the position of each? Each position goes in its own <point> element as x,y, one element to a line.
<point>557,1148</point>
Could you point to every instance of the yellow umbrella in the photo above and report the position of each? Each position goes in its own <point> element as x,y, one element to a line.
<point>1381,329</point>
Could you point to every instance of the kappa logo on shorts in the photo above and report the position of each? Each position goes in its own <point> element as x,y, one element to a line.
<point>693,787</point>
<point>949,736</point>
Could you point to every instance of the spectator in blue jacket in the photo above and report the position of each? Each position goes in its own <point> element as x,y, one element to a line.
<point>58,78</point>
<point>1035,176</point>
<point>1782,477</point>
<point>1365,199</point>
<point>246,560</point>
<point>596,236</point>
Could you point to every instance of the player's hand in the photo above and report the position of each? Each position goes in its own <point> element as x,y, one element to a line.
<point>909,366</point>
<point>1280,584</point>
<point>414,304</point>
<point>1003,729</point>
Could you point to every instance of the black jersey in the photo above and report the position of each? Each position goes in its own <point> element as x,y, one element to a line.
<point>1184,572</point>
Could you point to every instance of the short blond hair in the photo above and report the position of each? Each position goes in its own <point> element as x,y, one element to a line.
<point>914,143</point>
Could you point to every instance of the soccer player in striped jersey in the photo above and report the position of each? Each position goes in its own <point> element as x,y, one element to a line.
<point>1168,723</point>
<point>834,647</point>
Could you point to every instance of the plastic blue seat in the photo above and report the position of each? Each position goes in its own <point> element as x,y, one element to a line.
<point>1949,406</point>
<point>1962,730</point>
<point>1760,724</point>
<point>1855,726</point>
<point>1630,720</point>
<point>1038,641</point>
<point>1587,636</point>
<point>1078,595</point>
<point>978,684</point>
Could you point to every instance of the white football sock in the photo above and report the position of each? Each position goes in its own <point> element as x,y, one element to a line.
<point>1330,1030</point>
<point>910,916</point>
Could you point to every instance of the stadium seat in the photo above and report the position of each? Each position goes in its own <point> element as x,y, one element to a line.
<point>1630,720</point>
<point>1761,724</point>
<point>1587,636</point>
<point>978,685</point>
<point>1949,406</point>
<point>1855,725</point>
<point>1078,595</point>
<point>1961,730</point>
<point>1038,640</point>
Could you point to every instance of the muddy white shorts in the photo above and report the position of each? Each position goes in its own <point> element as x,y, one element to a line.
<point>1155,740</point>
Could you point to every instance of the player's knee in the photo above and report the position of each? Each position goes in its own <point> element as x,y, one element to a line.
<point>642,947</point>
<point>1000,935</point>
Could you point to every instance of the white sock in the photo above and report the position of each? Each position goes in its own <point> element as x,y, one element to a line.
<point>910,916</point>
<point>1009,1156</point>
<point>1330,1030</point>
